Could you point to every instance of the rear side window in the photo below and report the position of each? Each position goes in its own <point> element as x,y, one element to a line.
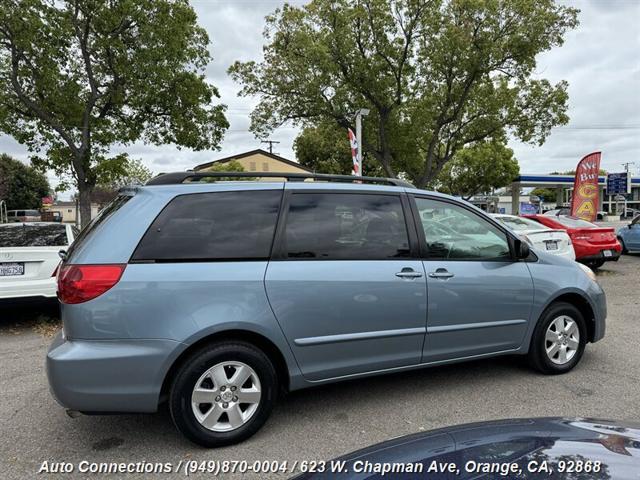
<point>213,226</point>
<point>105,213</point>
<point>33,236</point>
<point>345,227</point>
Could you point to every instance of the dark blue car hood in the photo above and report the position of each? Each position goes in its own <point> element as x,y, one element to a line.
<point>538,448</point>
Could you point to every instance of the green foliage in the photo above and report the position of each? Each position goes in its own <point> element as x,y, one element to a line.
<point>231,166</point>
<point>480,168</point>
<point>121,171</point>
<point>436,75</point>
<point>325,148</point>
<point>77,76</point>
<point>21,186</point>
<point>548,194</point>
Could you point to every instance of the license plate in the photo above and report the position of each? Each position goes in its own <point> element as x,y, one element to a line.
<point>11,269</point>
<point>552,245</point>
<point>607,253</point>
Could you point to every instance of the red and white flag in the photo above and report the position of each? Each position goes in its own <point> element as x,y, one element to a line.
<point>353,141</point>
<point>584,202</point>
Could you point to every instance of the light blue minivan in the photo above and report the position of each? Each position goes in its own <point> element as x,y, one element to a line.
<point>217,296</point>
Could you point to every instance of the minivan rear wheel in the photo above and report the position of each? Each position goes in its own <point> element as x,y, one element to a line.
<point>223,393</point>
<point>559,339</point>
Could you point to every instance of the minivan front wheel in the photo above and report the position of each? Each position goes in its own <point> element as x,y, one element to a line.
<point>223,393</point>
<point>559,339</point>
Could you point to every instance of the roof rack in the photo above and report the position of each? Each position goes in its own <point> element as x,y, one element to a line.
<point>180,177</point>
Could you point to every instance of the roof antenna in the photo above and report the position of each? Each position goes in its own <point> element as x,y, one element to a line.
<point>270,142</point>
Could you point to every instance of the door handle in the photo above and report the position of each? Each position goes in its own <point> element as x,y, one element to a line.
<point>408,272</point>
<point>441,273</point>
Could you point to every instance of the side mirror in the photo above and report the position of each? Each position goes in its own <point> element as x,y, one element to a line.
<point>522,249</point>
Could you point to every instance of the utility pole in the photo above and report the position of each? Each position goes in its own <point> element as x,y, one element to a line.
<point>270,142</point>
<point>627,169</point>
<point>363,112</point>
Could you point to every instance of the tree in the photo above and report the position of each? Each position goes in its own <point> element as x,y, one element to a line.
<point>130,172</point>
<point>21,186</point>
<point>480,168</point>
<point>231,166</point>
<point>77,76</point>
<point>324,148</point>
<point>436,75</point>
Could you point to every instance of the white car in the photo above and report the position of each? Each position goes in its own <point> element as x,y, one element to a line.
<point>29,257</point>
<point>539,236</point>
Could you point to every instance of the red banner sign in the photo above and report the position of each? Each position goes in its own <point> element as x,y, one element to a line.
<point>584,202</point>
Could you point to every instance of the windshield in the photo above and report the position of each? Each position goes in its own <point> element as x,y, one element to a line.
<point>26,235</point>
<point>573,222</point>
<point>520,224</point>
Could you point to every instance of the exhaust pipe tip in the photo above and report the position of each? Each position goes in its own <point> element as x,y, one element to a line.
<point>72,413</point>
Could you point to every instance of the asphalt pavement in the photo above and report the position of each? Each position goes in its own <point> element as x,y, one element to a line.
<point>319,423</point>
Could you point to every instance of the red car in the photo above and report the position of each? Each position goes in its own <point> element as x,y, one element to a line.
<point>594,245</point>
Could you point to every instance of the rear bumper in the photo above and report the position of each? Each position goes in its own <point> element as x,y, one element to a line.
<point>600,256</point>
<point>108,376</point>
<point>28,288</point>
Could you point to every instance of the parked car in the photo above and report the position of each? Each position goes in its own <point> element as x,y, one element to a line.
<point>20,216</point>
<point>594,245</point>
<point>557,211</point>
<point>629,236</point>
<point>629,213</point>
<point>539,236</point>
<point>523,448</point>
<point>29,257</point>
<point>218,296</point>
<point>51,216</point>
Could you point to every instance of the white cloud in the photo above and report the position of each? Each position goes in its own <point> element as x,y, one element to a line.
<point>599,59</point>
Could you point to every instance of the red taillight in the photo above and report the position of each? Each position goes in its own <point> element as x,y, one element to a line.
<point>81,283</point>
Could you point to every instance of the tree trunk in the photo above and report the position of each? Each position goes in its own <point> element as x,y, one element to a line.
<point>84,197</point>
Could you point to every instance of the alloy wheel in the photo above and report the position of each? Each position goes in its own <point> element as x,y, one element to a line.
<point>562,339</point>
<point>226,396</point>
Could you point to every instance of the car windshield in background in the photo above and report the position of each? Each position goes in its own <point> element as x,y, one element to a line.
<point>33,236</point>
<point>521,224</point>
<point>573,222</point>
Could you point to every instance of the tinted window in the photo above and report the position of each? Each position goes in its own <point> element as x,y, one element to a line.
<point>26,235</point>
<point>213,226</point>
<point>453,232</point>
<point>573,222</point>
<point>345,227</point>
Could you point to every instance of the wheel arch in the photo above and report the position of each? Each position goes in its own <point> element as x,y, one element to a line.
<point>256,339</point>
<point>582,304</point>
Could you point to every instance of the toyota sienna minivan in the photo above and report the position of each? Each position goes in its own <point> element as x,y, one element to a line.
<point>217,296</point>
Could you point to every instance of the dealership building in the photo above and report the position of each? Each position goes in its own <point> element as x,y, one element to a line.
<point>562,184</point>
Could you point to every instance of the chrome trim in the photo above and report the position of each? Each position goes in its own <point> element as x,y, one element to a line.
<point>471,326</point>
<point>348,337</point>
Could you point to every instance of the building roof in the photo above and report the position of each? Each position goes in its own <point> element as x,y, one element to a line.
<point>248,154</point>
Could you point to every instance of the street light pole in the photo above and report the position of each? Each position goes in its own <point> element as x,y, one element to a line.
<point>363,112</point>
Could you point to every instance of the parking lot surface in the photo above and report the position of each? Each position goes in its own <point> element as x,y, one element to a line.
<point>324,422</point>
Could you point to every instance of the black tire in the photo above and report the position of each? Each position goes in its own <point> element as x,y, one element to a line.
<point>538,357</point>
<point>195,366</point>
<point>595,264</point>
<point>624,248</point>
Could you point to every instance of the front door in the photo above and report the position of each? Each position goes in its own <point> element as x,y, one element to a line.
<point>479,297</point>
<point>344,286</point>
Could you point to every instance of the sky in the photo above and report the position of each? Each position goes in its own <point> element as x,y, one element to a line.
<point>600,59</point>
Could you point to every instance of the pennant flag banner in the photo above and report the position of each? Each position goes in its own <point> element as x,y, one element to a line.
<point>584,202</point>
<point>353,141</point>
